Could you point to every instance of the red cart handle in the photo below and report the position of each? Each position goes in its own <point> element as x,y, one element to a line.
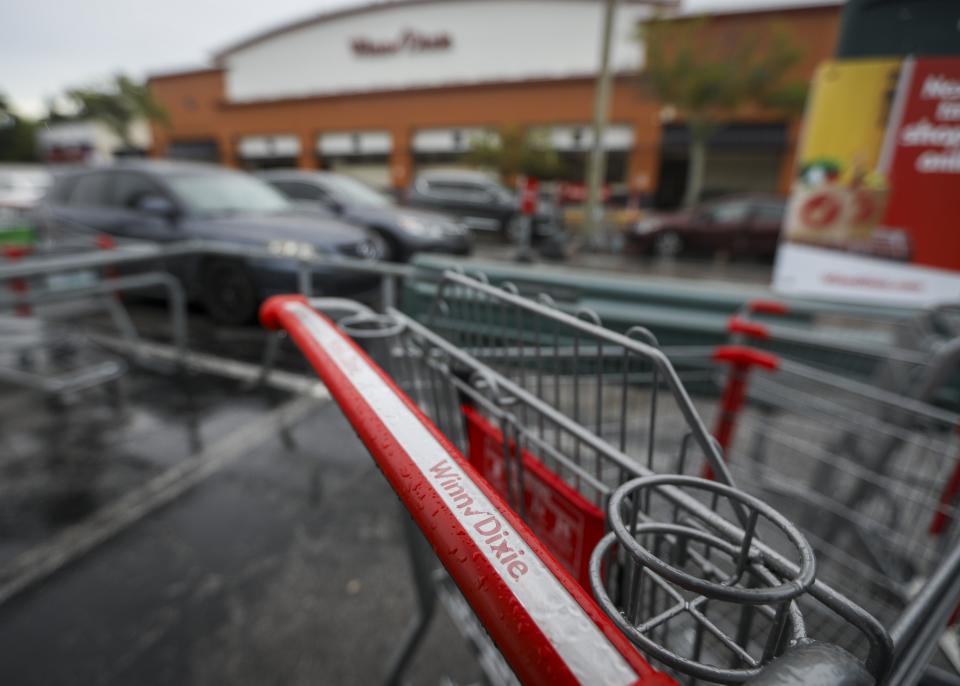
<point>741,359</point>
<point>744,326</point>
<point>548,629</point>
<point>760,306</point>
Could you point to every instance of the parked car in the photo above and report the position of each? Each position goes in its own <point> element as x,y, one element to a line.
<point>166,201</point>
<point>742,225</point>
<point>480,202</point>
<point>21,187</point>
<point>404,230</point>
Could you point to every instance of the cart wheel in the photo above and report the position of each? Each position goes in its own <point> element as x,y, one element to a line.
<point>229,292</point>
<point>668,244</point>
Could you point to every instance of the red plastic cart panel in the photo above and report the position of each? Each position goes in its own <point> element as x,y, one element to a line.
<point>566,522</point>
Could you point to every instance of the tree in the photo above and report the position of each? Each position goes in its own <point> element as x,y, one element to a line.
<point>122,102</point>
<point>708,82</point>
<point>515,152</point>
<point>17,136</point>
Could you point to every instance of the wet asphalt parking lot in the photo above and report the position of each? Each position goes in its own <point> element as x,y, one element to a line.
<point>205,530</point>
<point>202,532</point>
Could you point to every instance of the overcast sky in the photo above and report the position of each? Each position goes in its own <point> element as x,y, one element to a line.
<point>47,46</point>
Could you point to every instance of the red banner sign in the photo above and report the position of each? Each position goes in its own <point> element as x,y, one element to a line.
<point>873,211</point>
<point>924,166</point>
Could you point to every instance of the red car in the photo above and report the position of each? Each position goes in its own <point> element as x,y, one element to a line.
<point>742,225</point>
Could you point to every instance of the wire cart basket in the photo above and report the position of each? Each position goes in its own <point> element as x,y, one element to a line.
<point>557,470</point>
<point>868,469</point>
<point>40,354</point>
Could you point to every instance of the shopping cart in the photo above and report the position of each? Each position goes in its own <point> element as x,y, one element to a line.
<point>42,355</point>
<point>582,448</point>
<point>849,423</point>
<point>46,351</point>
<point>889,350</point>
<point>869,470</point>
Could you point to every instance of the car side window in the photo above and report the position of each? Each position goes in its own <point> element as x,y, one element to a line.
<point>297,190</point>
<point>493,192</point>
<point>768,214</point>
<point>731,213</point>
<point>130,188</point>
<point>62,189</point>
<point>89,190</point>
<point>458,191</point>
<point>442,189</point>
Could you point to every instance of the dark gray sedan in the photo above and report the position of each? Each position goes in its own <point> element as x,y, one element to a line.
<point>165,202</point>
<point>405,230</point>
<point>481,203</point>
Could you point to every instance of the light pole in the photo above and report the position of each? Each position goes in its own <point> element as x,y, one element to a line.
<point>597,163</point>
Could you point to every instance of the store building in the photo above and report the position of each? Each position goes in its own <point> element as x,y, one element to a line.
<point>91,141</point>
<point>383,90</point>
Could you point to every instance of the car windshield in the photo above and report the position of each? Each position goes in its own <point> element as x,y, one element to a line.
<point>353,192</point>
<point>222,193</point>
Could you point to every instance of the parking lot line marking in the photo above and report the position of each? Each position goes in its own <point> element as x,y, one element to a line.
<point>38,563</point>
<point>220,366</point>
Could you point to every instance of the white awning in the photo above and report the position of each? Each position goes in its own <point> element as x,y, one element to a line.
<point>580,137</point>
<point>345,143</point>
<point>265,147</point>
<point>448,140</point>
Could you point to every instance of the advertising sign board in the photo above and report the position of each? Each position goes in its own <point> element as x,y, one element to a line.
<point>873,211</point>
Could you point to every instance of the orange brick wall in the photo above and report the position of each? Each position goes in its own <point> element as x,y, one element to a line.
<point>197,107</point>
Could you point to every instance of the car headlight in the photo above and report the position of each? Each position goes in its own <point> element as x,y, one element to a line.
<point>454,229</point>
<point>418,227</point>
<point>645,226</point>
<point>292,249</point>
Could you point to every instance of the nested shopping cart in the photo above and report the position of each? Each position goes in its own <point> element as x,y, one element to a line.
<point>889,349</point>
<point>556,469</point>
<point>50,356</point>
<point>869,469</point>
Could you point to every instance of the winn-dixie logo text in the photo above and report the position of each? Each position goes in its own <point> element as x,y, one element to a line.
<point>408,41</point>
<point>487,524</point>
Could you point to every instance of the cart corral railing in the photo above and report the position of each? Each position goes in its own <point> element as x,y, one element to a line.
<point>143,252</point>
<point>847,338</point>
<point>21,269</point>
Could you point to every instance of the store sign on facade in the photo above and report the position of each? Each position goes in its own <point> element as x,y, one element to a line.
<point>408,41</point>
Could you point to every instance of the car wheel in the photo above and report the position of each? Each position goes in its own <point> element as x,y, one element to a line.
<point>668,244</point>
<point>741,247</point>
<point>229,292</point>
<point>514,229</point>
<point>395,251</point>
<point>509,227</point>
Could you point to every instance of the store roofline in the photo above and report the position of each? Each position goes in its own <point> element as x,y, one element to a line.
<point>771,8</point>
<point>178,73</point>
<point>366,8</point>
<point>323,17</point>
